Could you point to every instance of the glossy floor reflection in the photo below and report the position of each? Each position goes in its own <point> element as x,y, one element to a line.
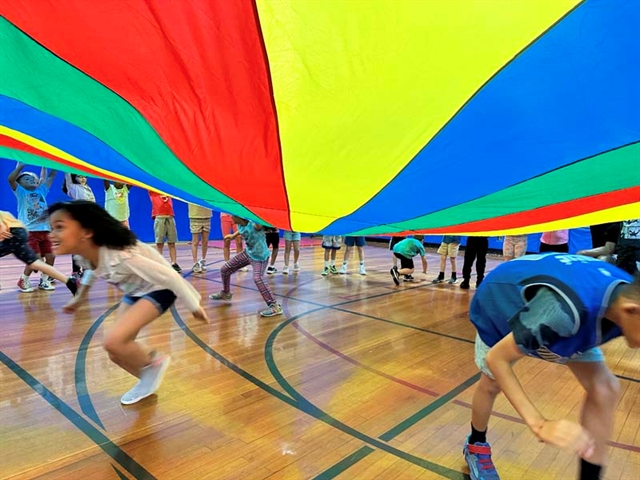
<point>359,379</point>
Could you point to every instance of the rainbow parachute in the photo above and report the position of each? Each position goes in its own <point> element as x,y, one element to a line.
<point>339,116</point>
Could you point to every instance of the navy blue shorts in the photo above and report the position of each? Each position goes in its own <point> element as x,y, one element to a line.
<point>19,246</point>
<point>354,241</point>
<point>273,239</point>
<point>162,299</point>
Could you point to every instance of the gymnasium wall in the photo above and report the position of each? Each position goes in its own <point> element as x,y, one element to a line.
<point>142,224</point>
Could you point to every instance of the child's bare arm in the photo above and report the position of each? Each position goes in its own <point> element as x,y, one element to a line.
<point>424,264</point>
<point>561,433</point>
<point>14,174</point>
<point>50,176</point>
<point>80,298</point>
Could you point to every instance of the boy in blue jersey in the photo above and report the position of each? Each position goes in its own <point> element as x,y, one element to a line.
<point>405,251</point>
<point>560,308</point>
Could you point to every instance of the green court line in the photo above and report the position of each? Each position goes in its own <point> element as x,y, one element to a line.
<point>95,435</point>
<point>344,464</point>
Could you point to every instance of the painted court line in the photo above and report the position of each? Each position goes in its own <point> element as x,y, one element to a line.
<point>80,423</point>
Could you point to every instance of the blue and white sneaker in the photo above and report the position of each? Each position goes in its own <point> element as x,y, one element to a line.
<point>478,458</point>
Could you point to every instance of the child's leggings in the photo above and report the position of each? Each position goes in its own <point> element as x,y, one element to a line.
<point>242,260</point>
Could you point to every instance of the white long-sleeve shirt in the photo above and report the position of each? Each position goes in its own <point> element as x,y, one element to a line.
<point>77,191</point>
<point>139,270</point>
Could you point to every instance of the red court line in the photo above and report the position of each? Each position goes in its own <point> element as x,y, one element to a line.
<point>320,343</point>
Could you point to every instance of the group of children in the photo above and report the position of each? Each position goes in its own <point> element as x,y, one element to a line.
<point>552,306</point>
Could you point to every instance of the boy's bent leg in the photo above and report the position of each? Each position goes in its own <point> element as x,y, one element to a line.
<point>602,395</point>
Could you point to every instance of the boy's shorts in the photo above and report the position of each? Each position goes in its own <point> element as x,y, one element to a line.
<point>40,243</point>
<point>331,242</point>
<point>449,249</point>
<point>292,236</point>
<point>273,239</point>
<point>482,349</point>
<point>164,226</point>
<point>514,246</point>
<point>200,225</point>
<point>354,241</point>
<point>18,245</point>
<point>404,261</point>
<point>394,241</point>
<point>162,299</point>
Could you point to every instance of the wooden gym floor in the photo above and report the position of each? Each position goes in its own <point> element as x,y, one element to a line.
<point>359,379</point>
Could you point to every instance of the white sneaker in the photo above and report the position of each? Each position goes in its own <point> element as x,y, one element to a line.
<point>285,270</point>
<point>196,268</point>
<point>244,269</point>
<point>203,264</point>
<point>363,271</point>
<point>24,284</point>
<point>343,269</point>
<point>150,379</point>
<point>296,268</point>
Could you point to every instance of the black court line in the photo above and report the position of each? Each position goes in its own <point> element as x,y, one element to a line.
<point>305,406</point>
<point>337,306</point>
<point>95,435</point>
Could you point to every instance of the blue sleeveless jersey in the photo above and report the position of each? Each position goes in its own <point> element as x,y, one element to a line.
<point>586,284</point>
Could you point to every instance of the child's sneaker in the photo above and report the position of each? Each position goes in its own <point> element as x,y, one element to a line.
<point>325,271</point>
<point>395,275</point>
<point>271,270</point>
<point>72,285</point>
<point>296,268</point>
<point>150,379</point>
<point>244,269</point>
<point>363,271</point>
<point>221,296</point>
<point>343,269</point>
<point>478,458</point>
<point>285,270</point>
<point>333,270</point>
<point>203,264</point>
<point>439,279</point>
<point>452,280</point>
<point>24,284</point>
<point>45,284</point>
<point>272,311</point>
<point>177,268</point>
<point>407,278</point>
<point>465,284</point>
<point>196,268</point>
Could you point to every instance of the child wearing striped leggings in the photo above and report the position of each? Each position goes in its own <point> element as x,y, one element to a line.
<point>256,254</point>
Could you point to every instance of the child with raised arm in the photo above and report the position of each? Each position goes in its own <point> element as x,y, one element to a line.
<point>109,250</point>
<point>76,186</point>
<point>116,201</point>
<point>558,308</point>
<point>31,193</point>
<point>256,255</point>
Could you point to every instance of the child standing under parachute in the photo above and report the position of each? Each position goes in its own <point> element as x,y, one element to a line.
<point>256,254</point>
<point>109,250</point>
<point>77,188</point>
<point>14,239</point>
